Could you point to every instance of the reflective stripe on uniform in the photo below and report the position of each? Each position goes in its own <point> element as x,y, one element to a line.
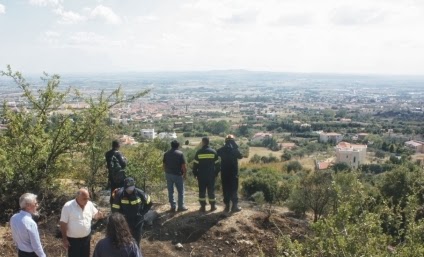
<point>206,156</point>
<point>216,161</point>
<point>196,161</point>
<point>148,199</point>
<point>202,199</point>
<point>125,201</point>
<point>136,201</point>
<point>212,200</point>
<point>116,206</point>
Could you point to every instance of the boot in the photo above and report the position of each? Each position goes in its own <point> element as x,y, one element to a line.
<point>227,207</point>
<point>213,207</point>
<point>235,208</point>
<point>202,208</point>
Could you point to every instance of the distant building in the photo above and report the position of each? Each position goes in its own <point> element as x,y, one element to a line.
<point>351,154</point>
<point>167,135</point>
<point>330,137</point>
<point>178,124</point>
<point>322,165</point>
<point>417,146</point>
<point>260,137</point>
<point>127,140</point>
<point>148,133</point>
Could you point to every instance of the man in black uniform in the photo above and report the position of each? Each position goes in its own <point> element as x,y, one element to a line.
<point>116,164</point>
<point>133,203</point>
<point>229,155</point>
<point>206,169</point>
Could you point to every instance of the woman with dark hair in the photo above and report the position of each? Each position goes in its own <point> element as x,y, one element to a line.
<point>119,241</point>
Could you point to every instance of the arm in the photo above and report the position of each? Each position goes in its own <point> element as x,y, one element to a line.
<point>116,205</point>
<point>217,165</point>
<point>238,154</point>
<point>196,165</point>
<point>147,202</point>
<point>35,240</point>
<point>64,217</point>
<point>121,160</point>
<point>64,229</point>
<point>183,166</point>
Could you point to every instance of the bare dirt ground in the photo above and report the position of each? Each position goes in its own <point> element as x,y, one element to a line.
<point>250,232</point>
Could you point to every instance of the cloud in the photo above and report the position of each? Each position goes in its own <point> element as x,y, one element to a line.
<point>2,9</point>
<point>351,16</point>
<point>245,17</point>
<point>45,2</point>
<point>106,14</point>
<point>68,17</point>
<point>301,19</point>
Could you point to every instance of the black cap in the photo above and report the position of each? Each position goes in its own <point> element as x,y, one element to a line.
<point>128,182</point>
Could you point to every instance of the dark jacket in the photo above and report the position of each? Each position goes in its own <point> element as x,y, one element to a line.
<point>132,206</point>
<point>106,248</point>
<point>206,164</point>
<point>173,161</point>
<point>118,155</point>
<point>229,155</point>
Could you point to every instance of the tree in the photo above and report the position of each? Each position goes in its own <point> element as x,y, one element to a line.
<point>42,141</point>
<point>314,193</point>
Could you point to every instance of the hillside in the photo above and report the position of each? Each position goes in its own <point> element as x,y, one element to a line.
<point>247,233</point>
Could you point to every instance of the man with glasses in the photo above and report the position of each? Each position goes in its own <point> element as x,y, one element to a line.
<point>133,203</point>
<point>75,224</point>
<point>25,230</point>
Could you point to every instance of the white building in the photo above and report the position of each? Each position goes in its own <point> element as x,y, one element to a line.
<point>330,137</point>
<point>260,137</point>
<point>148,133</point>
<point>167,135</point>
<point>351,154</point>
<point>127,140</point>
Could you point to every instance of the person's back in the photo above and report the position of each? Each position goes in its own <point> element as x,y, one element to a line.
<point>173,160</point>
<point>106,248</point>
<point>229,155</point>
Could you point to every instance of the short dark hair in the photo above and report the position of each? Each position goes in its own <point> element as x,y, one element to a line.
<point>205,140</point>
<point>115,144</point>
<point>175,144</point>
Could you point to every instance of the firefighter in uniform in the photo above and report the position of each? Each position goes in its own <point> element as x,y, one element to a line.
<point>133,203</point>
<point>206,169</point>
<point>229,155</point>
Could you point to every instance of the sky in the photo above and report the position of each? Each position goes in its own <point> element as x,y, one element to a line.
<point>330,36</point>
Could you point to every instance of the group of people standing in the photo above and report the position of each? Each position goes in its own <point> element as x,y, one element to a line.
<point>208,163</point>
<point>129,204</point>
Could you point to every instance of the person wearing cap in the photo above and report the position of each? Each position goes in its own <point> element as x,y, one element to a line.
<point>206,169</point>
<point>112,156</point>
<point>229,155</point>
<point>24,228</point>
<point>75,224</point>
<point>174,165</point>
<point>133,203</point>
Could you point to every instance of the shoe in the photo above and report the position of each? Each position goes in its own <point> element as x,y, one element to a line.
<point>172,209</point>
<point>213,207</point>
<point>202,209</point>
<point>182,209</point>
<point>227,208</point>
<point>236,209</point>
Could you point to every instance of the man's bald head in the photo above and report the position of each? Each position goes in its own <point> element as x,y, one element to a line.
<point>82,197</point>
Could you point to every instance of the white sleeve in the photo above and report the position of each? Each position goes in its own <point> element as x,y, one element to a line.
<point>64,216</point>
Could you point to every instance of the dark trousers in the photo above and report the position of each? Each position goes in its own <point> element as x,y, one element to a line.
<point>206,184</point>
<point>26,254</point>
<point>230,188</point>
<point>80,247</point>
<point>137,231</point>
<point>112,188</point>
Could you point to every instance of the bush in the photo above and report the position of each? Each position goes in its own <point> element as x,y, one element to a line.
<point>266,182</point>
<point>292,166</point>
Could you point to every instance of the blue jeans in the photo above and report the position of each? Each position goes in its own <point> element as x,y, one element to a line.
<point>178,180</point>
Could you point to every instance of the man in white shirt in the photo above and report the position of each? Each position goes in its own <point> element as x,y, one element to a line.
<point>75,224</point>
<point>25,230</point>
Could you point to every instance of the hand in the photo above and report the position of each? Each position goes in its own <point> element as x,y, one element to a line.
<point>66,243</point>
<point>99,215</point>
